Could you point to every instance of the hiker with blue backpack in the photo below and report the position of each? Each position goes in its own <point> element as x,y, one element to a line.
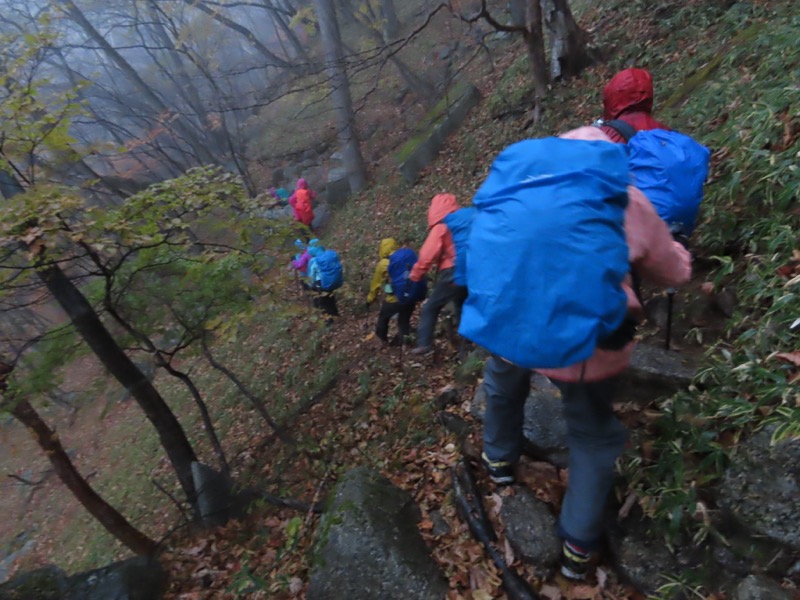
<point>569,227</point>
<point>668,166</point>
<point>325,276</point>
<point>438,251</point>
<point>400,294</point>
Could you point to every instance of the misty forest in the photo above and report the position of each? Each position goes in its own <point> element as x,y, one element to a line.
<point>187,413</point>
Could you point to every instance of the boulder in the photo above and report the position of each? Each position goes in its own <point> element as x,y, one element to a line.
<point>756,587</point>
<point>761,488</point>
<point>640,557</point>
<point>322,215</point>
<point>655,373</point>
<point>544,429</point>
<point>215,498</point>
<point>531,528</point>
<point>445,118</point>
<point>47,583</point>
<point>338,186</point>
<point>369,547</point>
<point>138,578</point>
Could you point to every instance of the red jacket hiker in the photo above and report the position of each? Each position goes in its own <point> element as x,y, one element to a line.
<point>300,202</point>
<point>629,97</point>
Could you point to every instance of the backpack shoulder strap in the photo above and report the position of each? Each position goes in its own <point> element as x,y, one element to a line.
<point>623,128</point>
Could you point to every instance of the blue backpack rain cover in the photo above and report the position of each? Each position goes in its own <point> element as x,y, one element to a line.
<point>547,252</point>
<point>330,268</point>
<point>400,264</point>
<point>670,168</point>
<point>459,223</point>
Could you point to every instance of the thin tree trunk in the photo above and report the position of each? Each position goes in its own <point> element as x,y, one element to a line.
<point>91,328</point>
<point>257,403</point>
<point>107,515</point>
<point>568,45</point>
<point>534,42</point>
<point>391,25</point>
<point>343,102</point>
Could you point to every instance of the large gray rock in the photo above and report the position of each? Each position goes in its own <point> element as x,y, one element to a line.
<point>531,528</point>
<point>756,587</point>
<point>338,186</point>
<point>654,373</point>
<point>322,215</point>
<point>443,120</point>
<point>47,583</point>
<point>761,488</point>
<point>544,428</point>
<point>641,558</point>
<point>369,546</point>
<point>138,578</point>
<point>215,499</point>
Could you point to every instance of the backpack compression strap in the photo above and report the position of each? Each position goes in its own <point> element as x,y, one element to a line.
<point>625,129</point>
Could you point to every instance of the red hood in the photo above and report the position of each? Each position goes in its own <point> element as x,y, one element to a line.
<point>441,206</point>
<point>628,90</point>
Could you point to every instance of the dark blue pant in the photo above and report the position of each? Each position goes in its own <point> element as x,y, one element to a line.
<point>443,292</point>
<point>595,437</point>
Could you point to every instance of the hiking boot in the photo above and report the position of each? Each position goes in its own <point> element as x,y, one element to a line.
<point>501,472</point>
<point>422,351</point>
<point>575,563</point>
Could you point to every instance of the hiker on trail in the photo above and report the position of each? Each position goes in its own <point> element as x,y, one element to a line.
<point>325,276</point>
<point>628,97</point>
<point>561,213</point>
<point>301,260</point>
<point>300,201</point>
<point>401,295</point>
<point>438,251</point>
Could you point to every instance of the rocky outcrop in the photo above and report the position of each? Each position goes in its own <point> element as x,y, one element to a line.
<point>369,547</point>
<point>137,578</point>
<point>530,526</point>
<point>439,123</point>
<point>761,488</point>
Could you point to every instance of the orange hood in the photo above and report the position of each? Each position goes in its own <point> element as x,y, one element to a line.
<point>441,206</point>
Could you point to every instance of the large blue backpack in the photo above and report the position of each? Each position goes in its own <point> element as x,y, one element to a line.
<point>399,270</point>
<point>459,223</point>
<point>330,269</point>
<point>670,168</point>
<point>547,253</point>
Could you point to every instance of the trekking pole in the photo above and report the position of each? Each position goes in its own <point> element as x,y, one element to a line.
<point>670,303</point>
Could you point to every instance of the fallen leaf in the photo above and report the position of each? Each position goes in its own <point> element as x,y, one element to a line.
<point>792,357</point>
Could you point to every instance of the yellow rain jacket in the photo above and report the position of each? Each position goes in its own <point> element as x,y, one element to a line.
<point>381,275</point>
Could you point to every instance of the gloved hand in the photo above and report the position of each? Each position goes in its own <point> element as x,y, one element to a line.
<point>367,305</point>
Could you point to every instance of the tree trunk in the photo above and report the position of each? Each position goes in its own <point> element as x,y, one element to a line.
<point>343,103</point>
<point>534,42</point>
<point>106,514</point>
<point>568,42</point>
<point>391,26</point>
<point>87,322</point>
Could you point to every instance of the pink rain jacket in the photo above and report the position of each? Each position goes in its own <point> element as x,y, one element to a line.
<point>655,256</point>
<point>438,249</point>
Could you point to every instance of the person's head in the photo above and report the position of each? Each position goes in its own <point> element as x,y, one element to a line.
<point>315,248</point>
<point>387,246</point>
<point>630,90</point>
<point>441,206</point>
<point>586,133</point>
<point>302,184</point>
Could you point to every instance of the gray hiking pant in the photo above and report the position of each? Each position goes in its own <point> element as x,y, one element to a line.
<point>595,437</point>
<point>443,292</point>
